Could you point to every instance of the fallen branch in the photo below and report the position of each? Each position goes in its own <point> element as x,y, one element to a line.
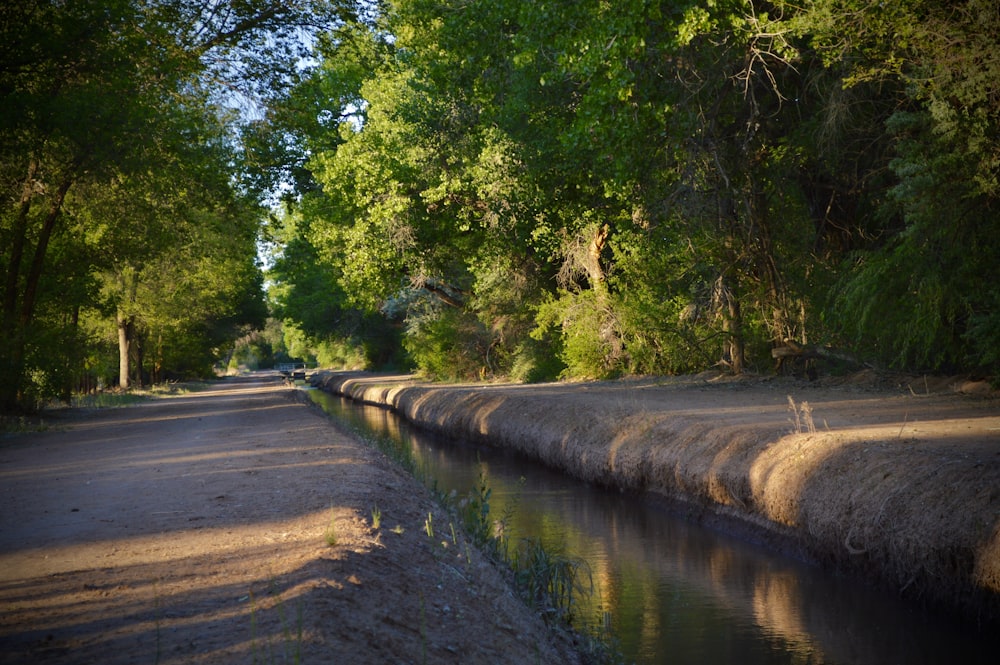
<point>793,349</point>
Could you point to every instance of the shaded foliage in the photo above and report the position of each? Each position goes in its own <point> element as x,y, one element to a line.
<point>130,211</point>
<point>585,189</point>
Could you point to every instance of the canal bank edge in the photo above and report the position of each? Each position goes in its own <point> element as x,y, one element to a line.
<point>894,487</point>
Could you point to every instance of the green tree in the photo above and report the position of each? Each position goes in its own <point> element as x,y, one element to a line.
<point>920,296</point>
<point>88,92</point>
<point>650,186</point>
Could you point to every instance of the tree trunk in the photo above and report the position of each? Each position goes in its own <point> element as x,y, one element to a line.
<point>595,269</point>
<point>732,325</point>
<point>17,244</point>
<point>124,350</point>
<point>38,260</point>
<point>13,323</point>
<point>156,374</point>
<point>138,349</point>
<point>126,324</point>
<point>11,368</point>
<point>72,359</point>
<point>734,328</point>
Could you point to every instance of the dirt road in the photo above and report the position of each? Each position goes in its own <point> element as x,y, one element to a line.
<point>196,529</point>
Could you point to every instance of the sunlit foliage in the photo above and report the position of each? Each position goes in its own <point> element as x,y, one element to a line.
<point>130,217</point>
<point>588,189</point>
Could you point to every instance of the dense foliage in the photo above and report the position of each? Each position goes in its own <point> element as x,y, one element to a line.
<point>495,188</point>
<point>588,188</point>
<point>129,224</point>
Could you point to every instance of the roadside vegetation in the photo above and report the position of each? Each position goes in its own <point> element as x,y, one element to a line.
<point>495,189</point>
<point>131,217</point>
<point>588,189</point>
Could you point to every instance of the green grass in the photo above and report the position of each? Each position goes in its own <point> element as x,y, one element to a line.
<point>120,398</point>
<point>548,581</point>
<point>10,425</point>
<point>108,400</point>
<point>264,649</point>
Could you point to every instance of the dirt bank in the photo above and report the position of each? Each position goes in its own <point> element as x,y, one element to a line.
<point>198,529</point>
<point>895,483</point>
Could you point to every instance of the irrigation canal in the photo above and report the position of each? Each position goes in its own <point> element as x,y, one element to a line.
<point>675,592</point>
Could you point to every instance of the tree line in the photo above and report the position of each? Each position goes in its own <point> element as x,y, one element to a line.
<point>584,188</point>
<point>131,210</point>
<point>494,188</point>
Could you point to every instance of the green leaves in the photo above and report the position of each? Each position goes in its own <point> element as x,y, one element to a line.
<point>937,252</point>
<point>651,186</point>
<point>118,154</point>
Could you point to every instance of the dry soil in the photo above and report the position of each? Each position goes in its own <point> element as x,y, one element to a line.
<point>198,529</point>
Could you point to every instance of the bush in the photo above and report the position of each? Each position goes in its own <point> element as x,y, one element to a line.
<point>590,342</point>
<point>450,345</point>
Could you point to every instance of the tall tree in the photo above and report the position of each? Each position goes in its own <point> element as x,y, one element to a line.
<point>660,185</point>
<point>87,88</point>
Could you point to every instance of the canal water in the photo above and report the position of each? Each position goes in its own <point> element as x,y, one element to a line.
<point>675,592</point>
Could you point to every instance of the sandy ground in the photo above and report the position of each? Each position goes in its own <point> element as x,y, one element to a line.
<point>195,528</point>
<point>892,479</point>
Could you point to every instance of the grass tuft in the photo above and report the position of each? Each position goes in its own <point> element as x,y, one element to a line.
<point>803,420</point>
<point>330,535</point>
<point>550,581</point>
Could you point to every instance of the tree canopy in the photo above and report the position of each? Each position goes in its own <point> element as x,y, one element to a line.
<point>129,217</point>
<point>587,189</point>
<point>497,188</point>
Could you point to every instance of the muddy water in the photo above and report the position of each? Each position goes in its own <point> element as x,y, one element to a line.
<point>674,592</point>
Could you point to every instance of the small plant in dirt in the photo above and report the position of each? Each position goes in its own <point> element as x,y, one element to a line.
<point>376,517</point>
<point>21,424</point>
<point>599,644</point>
<point>330,535</point>
<point>803,420</point>
<point>264,649</point>
<point>475,512</point>
<point>488,534</point>
<point>110,399</point>
<point>549,581</point>
<point>116,398</point>
<point>395,450</point>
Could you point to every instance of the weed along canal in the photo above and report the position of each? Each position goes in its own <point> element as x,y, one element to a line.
<point>669,590</point>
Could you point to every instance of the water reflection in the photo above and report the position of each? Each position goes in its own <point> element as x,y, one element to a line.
<point>679,593</point>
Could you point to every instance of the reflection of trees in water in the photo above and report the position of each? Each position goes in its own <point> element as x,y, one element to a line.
<point>777,609</point>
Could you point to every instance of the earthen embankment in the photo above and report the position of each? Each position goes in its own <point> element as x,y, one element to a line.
<point>895,486</point>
